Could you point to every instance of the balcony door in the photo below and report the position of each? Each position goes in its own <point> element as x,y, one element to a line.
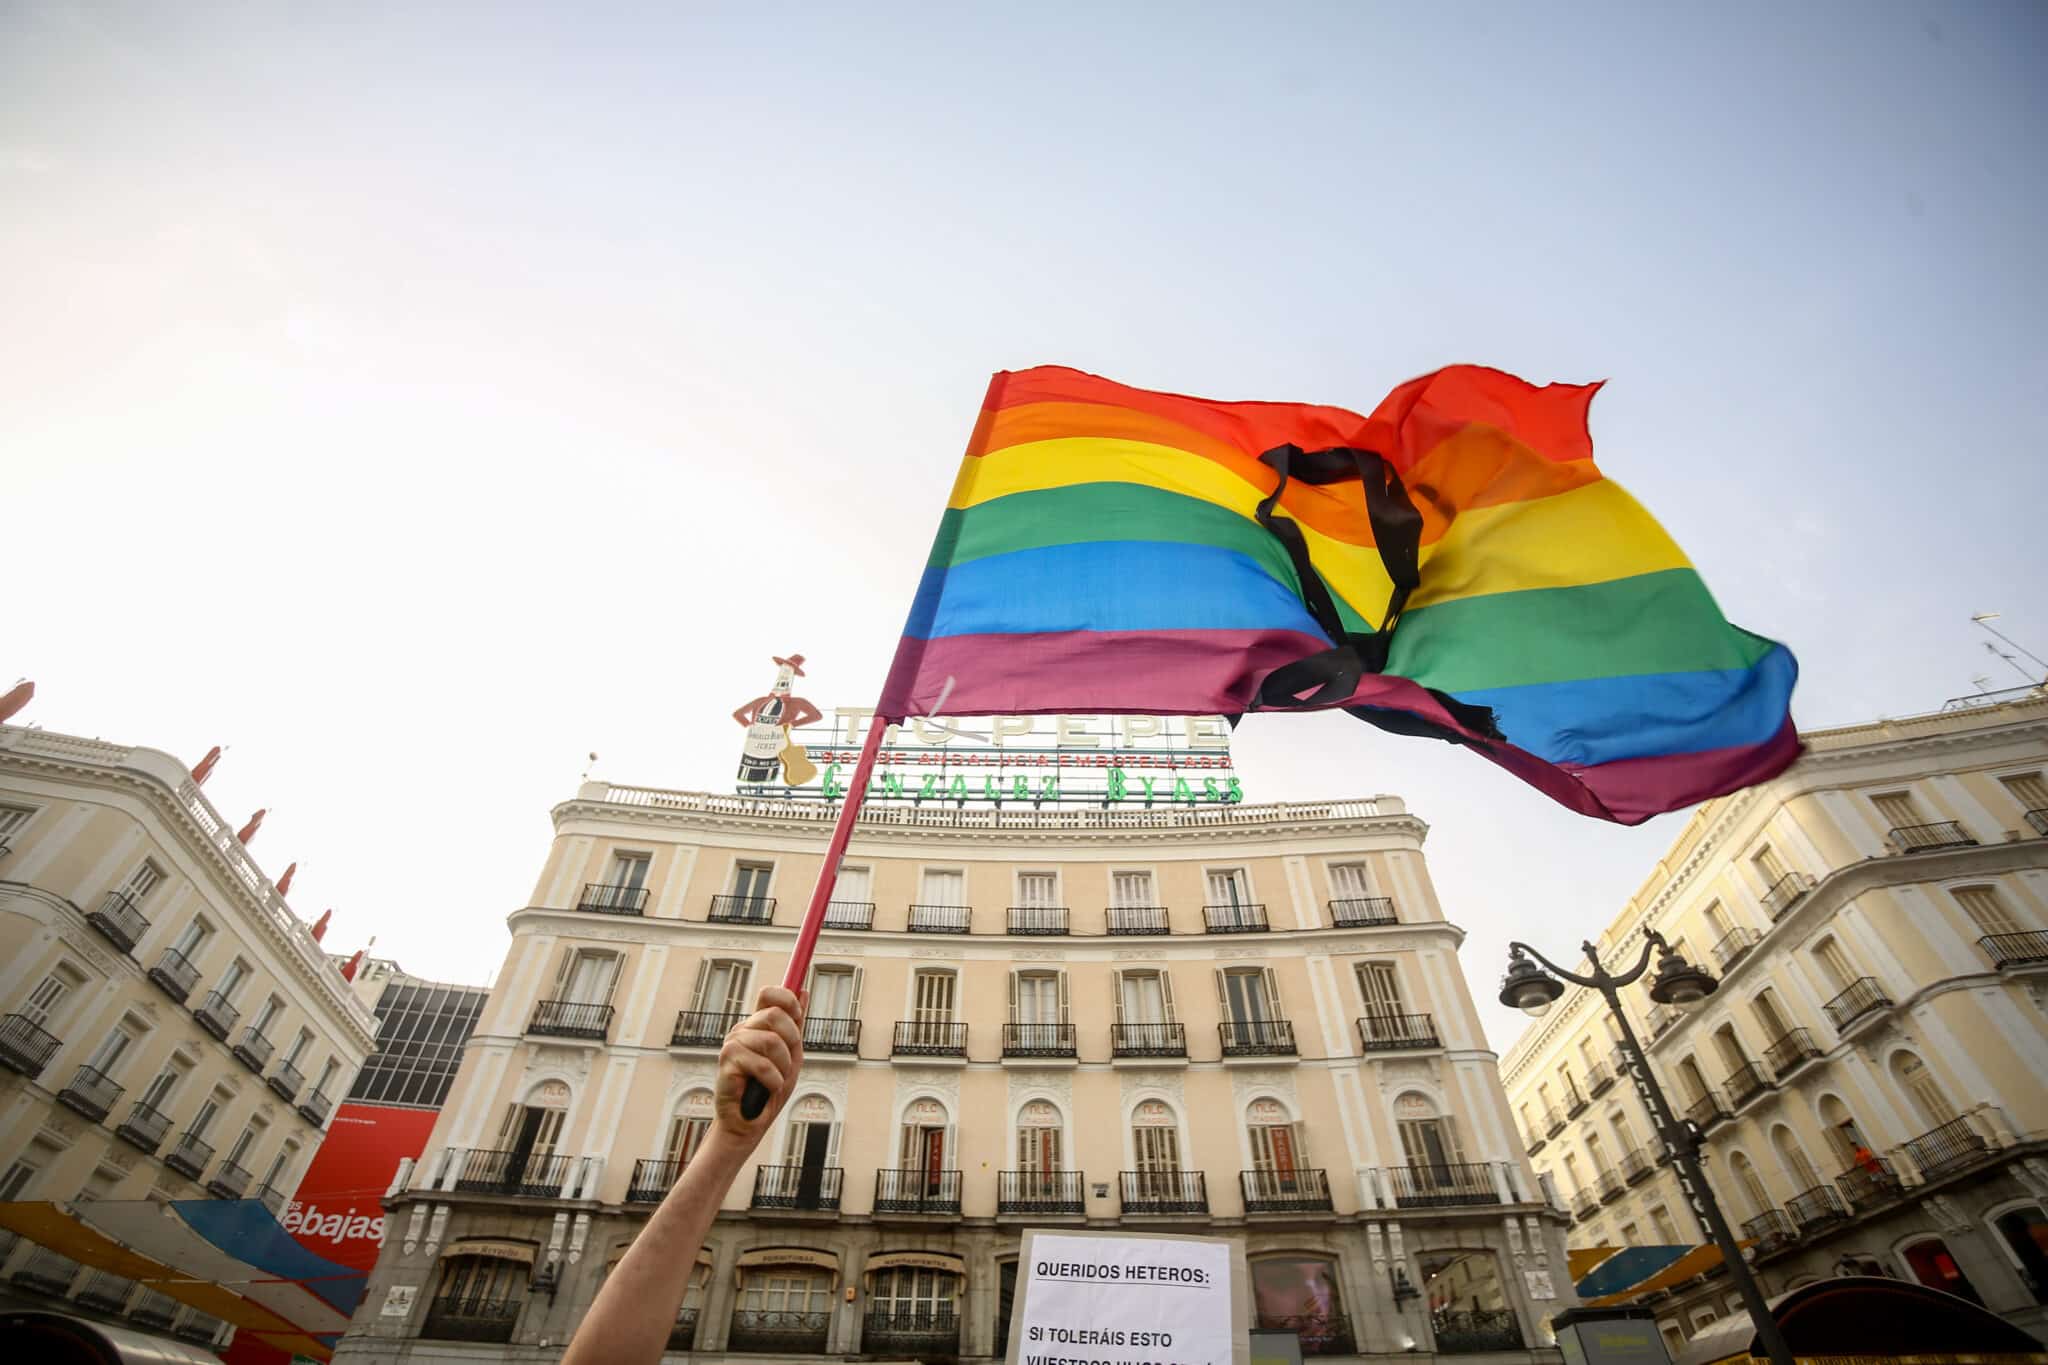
<point>587,978</point>
<point>1131,891</point>
<point>932,1008</point>
<point>529,1134</point>
<point>687,1129</point>
<point>1247,997</point>
<point>1276,1157</point>
<point>1431,1147</point>
<point>1038,1158</point>
<point>947,888</point>
<point>1228,886</point>
<point>722,989</point>
<point>1145,998</point>
<point>924,1151</point>
<point>44,999</point>
<point>807,1147</point>
<point>750,885</point>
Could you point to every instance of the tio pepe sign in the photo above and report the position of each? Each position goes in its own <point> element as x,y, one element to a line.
<point>1105,1299</point>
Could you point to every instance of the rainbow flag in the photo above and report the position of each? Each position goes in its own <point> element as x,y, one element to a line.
<point>1453,565</point>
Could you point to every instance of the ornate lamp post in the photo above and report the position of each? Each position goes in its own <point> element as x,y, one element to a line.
<point>1532,990</point>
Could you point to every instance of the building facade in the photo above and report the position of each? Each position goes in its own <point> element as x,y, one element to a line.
<point>168,1028</point>
<point>1871,1076</point>
<point>1243,1020</point>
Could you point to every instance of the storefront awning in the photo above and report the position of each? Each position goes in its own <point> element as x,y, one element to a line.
<point>1606,1276</point>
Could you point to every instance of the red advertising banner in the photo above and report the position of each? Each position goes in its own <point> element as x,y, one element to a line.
<point>336,1212</point>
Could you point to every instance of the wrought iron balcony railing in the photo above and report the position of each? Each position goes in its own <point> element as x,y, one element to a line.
<point>119,920</point>
<point>1038,919</point>
<point>917,1191</point>
<point>913,1332</point>
<point>315,1108</point>
<point>47,1272</point>
<point>1733,946</point>
<point>2037,820</point>
<point>230,1181</point>
<point>1257,1037</point>
<point>806,1189</point>
<point>1707,1110</point>
<point>1235,919</point>
<point>1320,1334</point>
<point>153,1308</point>
<point>729,909</point>
<point>216,1014</point>
<point>1553,1122</point>
<point>1868,1182</point>
<point>612,898</point>
<point>1598,1079</point>
<point>929,1038</point>
<point>1745,1083</point>
<point>831,1035</point>
<point>683,1336</point>
<point>1163,1191</point>
<point>253,1050</point>
<point>285,1081</point>
<point>498,1171</point>
<point>1859,998</point>
<point>91,1092</point>
<point>941,919</point>
<point>570,1019</point>
<point>707,1028</point>
<point>1040,1192</point>
<point>1927,838</point>
<point>25,1045</point>
<point>1950,1147</point>
<point>1362,912</point>
<point>1039,1040</point>
<point>105,1291</point>
<point>471,1319</point>
<point>1611,1186</point>
<point>1396,1032</point>
<point>1637,1166</point>
<point>849,914</point>
<point>271,1198</point>
<point>1135,919</point>
<point>1816,1208</point>
<point>1574,1103</point>
<point>1301,1189</point>
<point>144,1128</point>
<point>174,975</point>
<point>1784,893</point>
<point>189,1156</point>
<point>1585,1203</point>
<point>1468,1331</point>
<point>2013,950</point>
<point>766,1331</point>
<point>1148,1040</point>
<point>1443,1184</point>
<point>651,1180</point>
<point>1787,1054</point>
<point>1770,1230</point>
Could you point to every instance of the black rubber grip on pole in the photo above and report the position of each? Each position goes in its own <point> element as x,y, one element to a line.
<point>753,1100</point>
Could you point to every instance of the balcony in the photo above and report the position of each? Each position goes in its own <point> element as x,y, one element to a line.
<point>1574,1103</point>
<point>1950,1147</point>
<point>1637,1166</point>
<point>1744,1084</point>
<point>1148,1040</point>
<point>271,1198</point>
<point>913,1333</point>
<point>92,1093</point>
<point>849,914</point>
<point>612,898</point>
<point>190,1156</point>
<point>119,921</point>
<point>1469,1331</point>
<point>1234,919</point>
<point>253,1050</point>
<point>1770,1230</point>
<point>2015,950</point>
<point>314,1108</point>
<point>941,919</point>
<point>1362,912</point>
<point>285,1081</point>
<point>1611,1186</point>
<point>918,1192</point>
<point>839,1037</point>
<point>742,910</point>
<point>471,1319</point>
<point>1300,1190</point>
<point>798,1189</point>
<point>1585,1203</point>
<point>571,1019</point>
<point>1790,1052</point>
<point>216,1014</point>
<point>25,1045</point>
<point>1443,1185</point>
<point>230,1181</point>
<point>1034,1193</point>
<point>1164,1192</point>
<point>1534,1144</point>
<point>1816,1208</point>
<point>1661,1019</point>
<point>1553,1122</point>
<point>1257,1037</point>
<point>707,1028</point>
<point>683,1336</point>
<point>1734,946</point>
<point>2037,820</point>
<point>1707,1110</point>
<point>47,1272</point>
<point>1599,1080</point>
<point>1037,920</point>
<point>153,1309</point>
<point>651,1180</point>
<point>143,1128</point>
<point>1869,1182</point>
<point>174,975</point>
<point>1929,837</point>
<point>537,1176</point>
<point>767,1332</point>
<point>1039,1040</point>
<point>105,1292</point>
<point>1863,996</point>
<point>1397,1032</point>
<point>198,1328</point>
<point>1134,919</point>
<point>929,1038</point>
<point>1784,893</point>
<point>1320,1334</point>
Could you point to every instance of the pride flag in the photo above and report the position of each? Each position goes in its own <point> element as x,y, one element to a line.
<point>1453,565</point>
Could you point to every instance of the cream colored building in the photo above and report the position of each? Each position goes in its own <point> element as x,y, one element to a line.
<point>168,1028</point>
<point>1871,1076</point>
<point>1247,1020</point>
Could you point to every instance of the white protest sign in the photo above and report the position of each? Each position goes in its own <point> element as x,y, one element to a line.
<point>1108,1299</point>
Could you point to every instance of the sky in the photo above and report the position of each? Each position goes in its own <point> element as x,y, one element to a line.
<point>419,399</point>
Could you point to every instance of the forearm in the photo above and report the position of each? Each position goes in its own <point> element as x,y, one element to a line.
<point>631,1319</point>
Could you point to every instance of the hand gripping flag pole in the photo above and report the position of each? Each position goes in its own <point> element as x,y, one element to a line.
<point>755,1098</point>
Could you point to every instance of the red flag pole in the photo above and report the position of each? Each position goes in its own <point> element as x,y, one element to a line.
<point>755,1098</point>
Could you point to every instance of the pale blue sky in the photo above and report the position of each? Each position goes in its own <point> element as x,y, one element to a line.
<point>416,401</point>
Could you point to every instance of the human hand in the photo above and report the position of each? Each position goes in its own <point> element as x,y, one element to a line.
<point>768,1047</point>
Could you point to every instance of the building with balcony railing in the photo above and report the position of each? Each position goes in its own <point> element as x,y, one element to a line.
<point>1871,1075</point>
<point>1247,1021</point>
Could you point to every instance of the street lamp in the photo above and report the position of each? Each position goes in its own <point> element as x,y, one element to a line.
<point>1532,989</point>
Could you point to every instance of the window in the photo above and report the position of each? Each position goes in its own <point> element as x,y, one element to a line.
<point>629,871</point>
<point>750,880</point>
<point>932,997</point>
<point>1571,1170</point>
<point>1674,1338</point>
<point>2026,788</point>
<point>1248,996</point>
<point>1750,1183</point>
<point>326,1075</point>
<point>298,1048</point>
<point>1798,1166</point>
<point>1843,1136</point>
<point>1038,999</point>
<point>1624,1131</point>
<point>835,993</point>
<point>1155,1145</point>
<point>1730,1048</point>
<point>1596,1153</point>
<point>1896,809</point>
<point>1834,964</point>
<point>530,1130</point>
<point>787,1290</point>
<point>1630,1235</point>
<point>471,1283</point>
<point>1920,1086</point>
<point>49,993</point>
<point>242,1145</point>
<point>14,1182</point>
<point>1144,998</point>
<point>722,988</point>
<point>1667,1231</point>
<point>159,1090</point>
<point>1765,1008</point>
<point>1717,921</point>
<point>192,937</point>
<point>1769,866</point>
<point>420,1033</point>
<point>925,1146</point>
<point>231,980</point>
<point>1381,988</point>
<point>1929,1262</point>
<point>1038,1139</point>
<point>1277,1147</point>
<point>587,976</point>
<point>2022,1231</point>
<point>261,1023</point>
<point>1131,891</point>
<point>1430,1141</point>
<point>274,1177</point>
<point>109,1053</point>
<point>1987,910</point>
<point>142,881</point>
<point>854,885</point>
<point>944,887</point>
<point>1038,890</point>
<point>1465,1296</point>
<point>1350,882</point>
<point>208,1112</point>
<point>919,1296</point>
<point>687,1128</point>
<point>1690,1080</point>
<point>12,820</point>
<point>1229,886</point>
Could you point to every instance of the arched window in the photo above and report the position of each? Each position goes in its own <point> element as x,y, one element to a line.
<point>1798,1166</point>
<point>809,1176</point>
<point>924,1150</point>
<point>1751,1184</point>
<point>1844,1136</point>
<point>1925,1092</point>
<point>1435,1173</point>
<point>1158,1184</point>
<point>1691,1081</point>
<point>686,1130</point>
<point>1278,1154</point>
<point>1038,1138</point>
<point>1468,1304</point>
<point>1299,1294</point>
<point>1928,1261</point>
<point>478,1292</point>
<point>2024,1234</point>
<point>784,1303</point>
<point>524,1160</point>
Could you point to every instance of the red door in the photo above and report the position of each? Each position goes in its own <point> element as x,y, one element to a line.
<point>934,1160</point>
